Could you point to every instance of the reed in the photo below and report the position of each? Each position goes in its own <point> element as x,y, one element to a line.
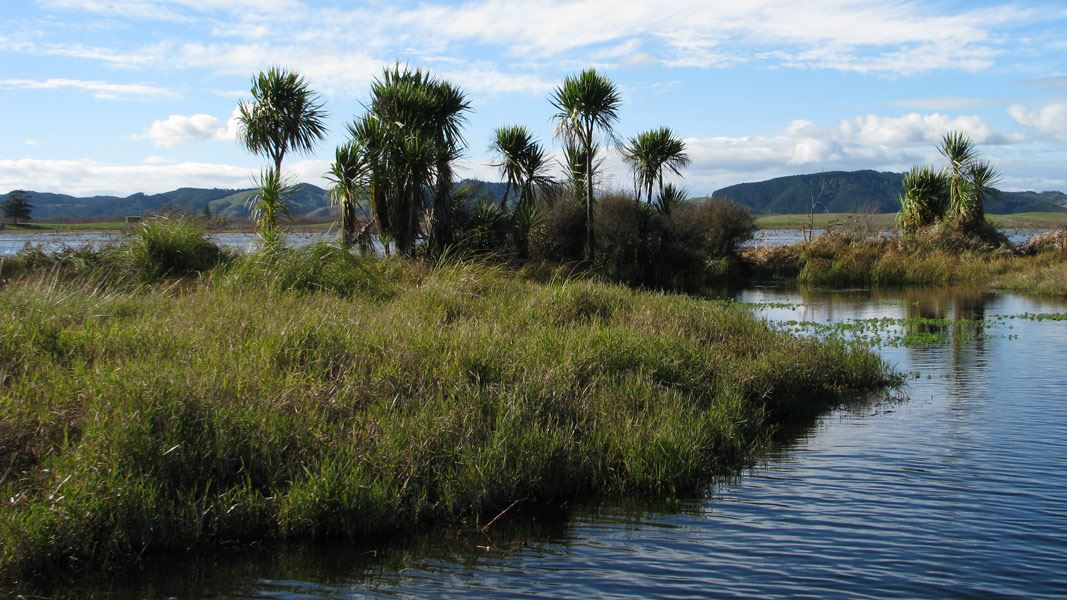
<point>250,406</point>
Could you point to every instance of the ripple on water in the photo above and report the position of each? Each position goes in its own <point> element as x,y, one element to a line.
<point>957,492</point>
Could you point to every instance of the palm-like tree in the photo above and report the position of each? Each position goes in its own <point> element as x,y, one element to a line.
<point>586,103</point>
<point>349,175</point>
<point>981,177</point>
<point>650,154</point>
<point>925,198</point>
<point>285,114</point>
<point>960,152</point>
<point>268,204</point>
<point>409,138</point>
<point>669,198</point>
<point>449,114</point>
<point>574,167</point>
<point>522,161</point>
<point>509,145</point>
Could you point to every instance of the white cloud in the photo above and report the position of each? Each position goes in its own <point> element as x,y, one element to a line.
<point>99,89</point>
<point>31,142</point>
<point>916,129</point>
<point>865,142</point>
<point>1050,119</point>
<point>180,129</point>
<point>85,177</point>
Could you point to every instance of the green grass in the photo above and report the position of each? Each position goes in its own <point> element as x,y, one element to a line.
<point>888,221</point>
<point>365,399</point>
<point>1031,219</point>
<point>824,220</point>
<point>835,260</point>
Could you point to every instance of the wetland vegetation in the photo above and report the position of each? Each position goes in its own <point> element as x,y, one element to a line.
<point>165,394</point>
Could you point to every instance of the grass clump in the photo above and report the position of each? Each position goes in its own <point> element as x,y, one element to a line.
<point>938,255</point>
<point>164,247</point>
<point>141,420</point>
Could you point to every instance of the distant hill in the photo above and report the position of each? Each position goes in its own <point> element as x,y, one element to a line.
<point>838,191</point>
<point>307,201</point>
<point>863,191</point>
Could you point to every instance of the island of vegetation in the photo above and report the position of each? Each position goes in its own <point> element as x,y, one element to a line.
<point>448,358</point>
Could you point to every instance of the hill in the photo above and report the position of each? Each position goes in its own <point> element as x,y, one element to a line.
<point>862,191</point>
<point>308,201</point>
<point>836,191</point>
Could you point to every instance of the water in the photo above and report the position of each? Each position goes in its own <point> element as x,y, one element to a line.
<point>11,243</point>
<point>953,489</point>
<point>790,237</point>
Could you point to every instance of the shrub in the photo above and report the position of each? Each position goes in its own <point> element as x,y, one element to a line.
<point>316,268</point>
<point>562,233</point>
<point>170,247</point>
<point>924,200</point>
<point>484,228</point>
<point>627,235</point>
<point>717,227</point>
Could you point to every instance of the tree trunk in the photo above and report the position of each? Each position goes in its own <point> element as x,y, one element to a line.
<point>442,209</point>
<point>590,242</point>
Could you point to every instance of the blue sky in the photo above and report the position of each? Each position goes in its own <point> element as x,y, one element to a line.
<point>122,96</point>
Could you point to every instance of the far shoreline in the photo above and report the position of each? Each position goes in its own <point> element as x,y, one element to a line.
<point>881,221</point>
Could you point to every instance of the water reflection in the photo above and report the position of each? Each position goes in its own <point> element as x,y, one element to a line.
<point>956,492</point>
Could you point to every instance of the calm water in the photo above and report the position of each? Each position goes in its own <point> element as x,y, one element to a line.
<point>955,489</point>
<point>789,237</point>
<point>11,243</point>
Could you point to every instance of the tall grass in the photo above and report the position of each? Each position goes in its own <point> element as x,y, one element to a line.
<point>933,256</point>
<point>170,247</point>
<point>290,407</point>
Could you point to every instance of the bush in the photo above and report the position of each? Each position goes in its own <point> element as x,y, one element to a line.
<point>696,243</point>
<point>170,247</point>
<point>562,234</point>
<point>316,268</point>
<point>484,228</point>
<point>716,227</point>
<point>627,235</point>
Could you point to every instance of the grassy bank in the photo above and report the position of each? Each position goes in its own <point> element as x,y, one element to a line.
<point>322,395</point>
<point>838,260</point>
<point>888,221</point>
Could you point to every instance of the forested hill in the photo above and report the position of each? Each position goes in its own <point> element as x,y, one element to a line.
<point>307,200</point>
<point>836,191</point>
<point>862,191</point>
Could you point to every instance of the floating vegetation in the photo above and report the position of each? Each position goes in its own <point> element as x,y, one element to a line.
<point>889,332</point>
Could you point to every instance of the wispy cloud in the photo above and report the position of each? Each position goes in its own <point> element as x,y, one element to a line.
<point>99,89</point>
<point>865,36</point>
<point>943,103</point>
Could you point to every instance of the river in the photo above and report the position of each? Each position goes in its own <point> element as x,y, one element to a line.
<point>952,486</point>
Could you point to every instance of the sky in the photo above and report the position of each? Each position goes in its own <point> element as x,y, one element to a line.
<point>125,96</point>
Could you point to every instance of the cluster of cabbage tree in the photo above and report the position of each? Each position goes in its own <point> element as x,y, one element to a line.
<point>956,192</point>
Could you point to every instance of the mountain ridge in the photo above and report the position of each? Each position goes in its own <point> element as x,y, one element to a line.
<point>835,191</point>
<point>862,191</point>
